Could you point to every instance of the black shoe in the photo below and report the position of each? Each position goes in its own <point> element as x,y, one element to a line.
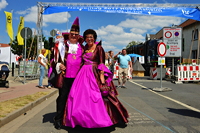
<point>121,124</point>
<point>118,86</point>
<point>123,87</point>
<point>57,124</point>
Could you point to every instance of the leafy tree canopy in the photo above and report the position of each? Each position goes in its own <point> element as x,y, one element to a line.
<point>31,47</point>
<point>133,43</point>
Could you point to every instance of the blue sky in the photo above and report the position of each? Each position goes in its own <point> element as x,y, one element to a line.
<point>115,30</point>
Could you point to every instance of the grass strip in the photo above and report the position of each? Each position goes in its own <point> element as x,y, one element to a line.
<point>9,106</point>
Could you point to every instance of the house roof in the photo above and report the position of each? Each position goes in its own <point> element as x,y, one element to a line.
<point>137,66</point>
<point>187,23</point>
<point>4,45</point>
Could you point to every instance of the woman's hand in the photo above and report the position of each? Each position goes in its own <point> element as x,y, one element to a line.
<point>102,77</point>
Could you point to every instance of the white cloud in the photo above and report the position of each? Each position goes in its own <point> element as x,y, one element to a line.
<point>57,17</point>
<point>150,22</point>
<point>159,21</point>
<point>114,37</point>
<point>134,23</point>
<point>31,15</point>
<point>22,12</point>
<point>3,4</point>
<point>112,29</point>
<point>118,36</point>
<point>138,31</point>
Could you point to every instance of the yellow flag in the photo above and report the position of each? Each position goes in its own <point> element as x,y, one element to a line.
<point>46,53</point>
<point>9,24</point>
<point>20,40</point>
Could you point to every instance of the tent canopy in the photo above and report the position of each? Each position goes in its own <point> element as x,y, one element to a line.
<point>134,55</point>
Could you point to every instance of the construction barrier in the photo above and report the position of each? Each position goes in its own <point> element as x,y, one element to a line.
<point>153,73</point>
<point>188,72</point>
<point>31,69</point>
<point>116,69</point>
<point>129,73</point>
<point>168,71</point>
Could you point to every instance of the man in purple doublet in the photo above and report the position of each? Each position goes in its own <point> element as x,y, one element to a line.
<point>74,60</point>
<point>70,56</point>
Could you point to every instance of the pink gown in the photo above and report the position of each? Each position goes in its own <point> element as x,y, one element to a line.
<point>85,105</point>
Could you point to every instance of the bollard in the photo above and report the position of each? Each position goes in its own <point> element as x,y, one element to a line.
<point>13,69</point>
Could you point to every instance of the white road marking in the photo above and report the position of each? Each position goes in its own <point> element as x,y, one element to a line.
<point>178,102</point>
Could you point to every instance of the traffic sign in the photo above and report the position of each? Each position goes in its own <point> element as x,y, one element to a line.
<point>161,49</point>
<point>172,37</point>
<point>161,60</point>
<point>53,32</point>
<point>26,32</point>
<point>168,34</point>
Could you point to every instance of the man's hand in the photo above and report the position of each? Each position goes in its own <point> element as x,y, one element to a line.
<point>131,70</point>
<point>62,67</point>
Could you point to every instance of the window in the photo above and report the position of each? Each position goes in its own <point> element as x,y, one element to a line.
<point>194,54</point>
<point>183,45</point>
<point>195,34</point>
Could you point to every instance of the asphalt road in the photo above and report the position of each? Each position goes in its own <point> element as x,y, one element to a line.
<point>175,111</point>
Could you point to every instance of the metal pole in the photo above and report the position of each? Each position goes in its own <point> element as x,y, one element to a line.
<point>160,76</point>
<point>10,54</point>
<point>67,21</point>
<point>10,44</point>
<point>173,66</point>
<point>25,56</point>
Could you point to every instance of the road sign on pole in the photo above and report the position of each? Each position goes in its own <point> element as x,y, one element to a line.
<point>26,33</point>
<point>172,37</point>
<point>161,49</point>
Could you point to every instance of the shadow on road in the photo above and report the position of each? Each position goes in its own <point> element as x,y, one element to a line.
<point>79,129</point>
<point>49,118</point>
<point>185,112</point>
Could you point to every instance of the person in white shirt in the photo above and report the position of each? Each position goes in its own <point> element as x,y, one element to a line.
<point>106,60</point>
<point>43,62</point>
<point>111,61</point>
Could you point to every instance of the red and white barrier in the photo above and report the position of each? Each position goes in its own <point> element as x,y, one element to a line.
<point>116,69</point>
<point>188,72</point>
<point>129,73</point>
<point>168,71</point>
<point>153,73</point>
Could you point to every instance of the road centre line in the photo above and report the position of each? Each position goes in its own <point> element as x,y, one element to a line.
<point>178,102</point>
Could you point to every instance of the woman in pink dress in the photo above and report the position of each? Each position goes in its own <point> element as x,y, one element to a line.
<point>86,105</point>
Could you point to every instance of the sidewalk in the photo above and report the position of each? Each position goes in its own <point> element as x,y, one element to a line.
<point>18,89</point>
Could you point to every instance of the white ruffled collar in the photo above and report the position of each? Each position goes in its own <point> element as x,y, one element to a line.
<point>72,47</point>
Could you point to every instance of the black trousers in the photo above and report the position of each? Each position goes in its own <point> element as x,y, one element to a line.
<point>62,98</point>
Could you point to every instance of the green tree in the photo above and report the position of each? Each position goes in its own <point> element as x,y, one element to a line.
<point>19,49</point>
<point>133,43</point>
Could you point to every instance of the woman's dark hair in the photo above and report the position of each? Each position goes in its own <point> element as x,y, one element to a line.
<point>90,31</point>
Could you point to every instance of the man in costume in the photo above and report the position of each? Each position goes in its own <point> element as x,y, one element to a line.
<point>69,61</point>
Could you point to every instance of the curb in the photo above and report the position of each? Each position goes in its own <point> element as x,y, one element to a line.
<point>24,109</point>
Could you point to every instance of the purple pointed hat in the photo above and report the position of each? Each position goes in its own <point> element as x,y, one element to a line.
<point>75,26</point>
